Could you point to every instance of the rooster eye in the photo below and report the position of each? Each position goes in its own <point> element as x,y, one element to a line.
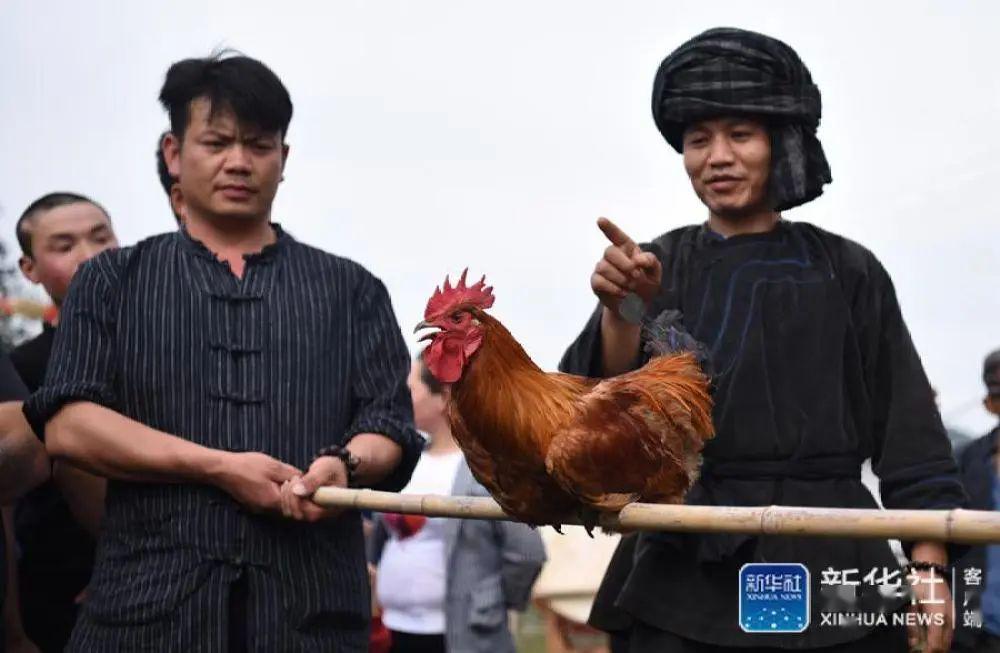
<point>456,317</point>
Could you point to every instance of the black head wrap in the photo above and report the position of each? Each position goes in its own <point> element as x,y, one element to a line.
<point>727,71</point>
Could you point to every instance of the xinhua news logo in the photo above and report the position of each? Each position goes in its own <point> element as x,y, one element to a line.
<point>774,597</point>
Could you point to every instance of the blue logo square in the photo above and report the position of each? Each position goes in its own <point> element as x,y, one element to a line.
<point>774,597</point>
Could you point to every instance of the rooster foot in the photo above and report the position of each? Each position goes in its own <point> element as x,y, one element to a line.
<point>589,520</point>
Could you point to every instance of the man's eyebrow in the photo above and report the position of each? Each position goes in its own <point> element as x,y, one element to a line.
<point>256,135</point>
<point>61,236</point>
<point>221,133</point>
<point>100,227</point>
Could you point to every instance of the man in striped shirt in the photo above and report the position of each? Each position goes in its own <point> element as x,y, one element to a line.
<point>217,376</point>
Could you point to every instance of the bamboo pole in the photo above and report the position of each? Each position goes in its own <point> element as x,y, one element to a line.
<point>963,526</point>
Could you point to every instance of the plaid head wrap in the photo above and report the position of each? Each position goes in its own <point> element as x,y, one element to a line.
<point>727,71</point>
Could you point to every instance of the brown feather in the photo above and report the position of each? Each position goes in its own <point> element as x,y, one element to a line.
<point>636,437</point>
<point>504,412</point>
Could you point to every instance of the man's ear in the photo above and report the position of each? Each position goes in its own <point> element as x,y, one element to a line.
<point>284,159</point>
<point>177,203</point>
<point>27,265</point>
<point>171,147</point>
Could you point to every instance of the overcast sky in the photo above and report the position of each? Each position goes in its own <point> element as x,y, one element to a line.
<point>429,136</point>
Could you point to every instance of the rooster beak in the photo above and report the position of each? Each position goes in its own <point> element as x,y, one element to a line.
<point>427,336</point>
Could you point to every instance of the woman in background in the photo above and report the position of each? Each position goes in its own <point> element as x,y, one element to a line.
<point>447,584</point>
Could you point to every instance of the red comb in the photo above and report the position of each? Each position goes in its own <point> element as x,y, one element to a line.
<point>444,300</point>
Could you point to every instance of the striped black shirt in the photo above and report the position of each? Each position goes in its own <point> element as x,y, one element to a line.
<point>302,352</point>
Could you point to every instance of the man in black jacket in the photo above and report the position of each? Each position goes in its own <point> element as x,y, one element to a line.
<point>978,573</point>
<point>813,367</point>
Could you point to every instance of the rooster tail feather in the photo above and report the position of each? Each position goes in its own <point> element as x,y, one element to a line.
<point>666,335</point>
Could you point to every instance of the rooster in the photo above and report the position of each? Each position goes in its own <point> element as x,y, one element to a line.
<point>551,446</point>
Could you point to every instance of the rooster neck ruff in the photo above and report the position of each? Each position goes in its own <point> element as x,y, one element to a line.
<point>518,394</point>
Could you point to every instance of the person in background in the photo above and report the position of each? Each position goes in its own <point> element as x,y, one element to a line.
<point>56,524</point>
<point>980,466</point>
<point>23,466</point>
<point>447,584</point>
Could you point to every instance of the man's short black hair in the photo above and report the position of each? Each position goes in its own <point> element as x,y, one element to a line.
<point>229,81</point>
<point>47,203</point>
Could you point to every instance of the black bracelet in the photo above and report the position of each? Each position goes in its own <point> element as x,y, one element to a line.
<point>922,565</point>
<point>350,461</point>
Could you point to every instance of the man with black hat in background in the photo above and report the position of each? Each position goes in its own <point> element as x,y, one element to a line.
<point>813,368</point>
<point>980,567</point>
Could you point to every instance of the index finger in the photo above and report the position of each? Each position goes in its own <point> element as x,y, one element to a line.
<point>614,233</point>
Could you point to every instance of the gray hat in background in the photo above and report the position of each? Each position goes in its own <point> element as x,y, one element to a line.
<point>991,373</point>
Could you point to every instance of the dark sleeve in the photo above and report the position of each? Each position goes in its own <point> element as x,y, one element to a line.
<point>584,356</point>
<point>963,458</point>
<point>83,362</point>
<point>29,366</point>
<point>912,454</point>
<point>976,467</point>
<point>12,388</point>
<point>380,366</point>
